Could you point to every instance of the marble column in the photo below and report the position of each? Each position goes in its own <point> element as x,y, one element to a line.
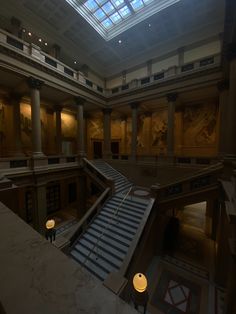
<point>223,88</point>
<point>171,98</point>
<point>35,86</point>
<point>134,106</point>
<point>58,110</point>
<point>80,126</point>
<point>15,101</point>
<point>107,132</point>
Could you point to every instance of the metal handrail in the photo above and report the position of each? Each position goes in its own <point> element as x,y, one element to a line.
<point>105,228</point>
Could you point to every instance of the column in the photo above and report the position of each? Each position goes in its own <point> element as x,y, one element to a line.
<point>171,98</point>
<point>230,143</point>
<point>134,107</point>
<point>35,86</point>
<point>107,132</point>
<point>58,110</point>
<point>15,101</point>
<point>40,208</point>
<point>223,88</point>
<point>80,126</point>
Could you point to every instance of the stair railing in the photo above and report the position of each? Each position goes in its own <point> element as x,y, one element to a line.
<point>95,246</point>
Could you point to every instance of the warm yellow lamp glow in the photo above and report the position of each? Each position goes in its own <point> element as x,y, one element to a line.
<point>140,282</point>
<point>50,224</point>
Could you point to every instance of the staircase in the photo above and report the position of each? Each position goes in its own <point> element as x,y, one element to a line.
<point>122,184</point>
<point>102,248</point>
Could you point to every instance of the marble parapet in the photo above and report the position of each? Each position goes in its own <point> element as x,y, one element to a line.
<point>36,278</point>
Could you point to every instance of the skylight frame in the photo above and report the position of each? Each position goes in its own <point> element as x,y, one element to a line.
<point>148,9</point>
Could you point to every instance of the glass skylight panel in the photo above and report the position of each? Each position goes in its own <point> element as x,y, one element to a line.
<point>100,15</point>
<point>137,4</point>
<point>91,5</point>
<point>116,18</point>
<point>107,23</point>
<point>108,7</point>
<point>118,3</point>
<point>147,1</point>
<point>112,17</point>
<point>100,2</point>
<point>125,11</point>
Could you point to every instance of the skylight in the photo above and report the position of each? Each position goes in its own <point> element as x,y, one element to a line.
<point>112,17</point>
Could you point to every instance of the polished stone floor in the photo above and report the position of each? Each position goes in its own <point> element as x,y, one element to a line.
<point>182,282</point>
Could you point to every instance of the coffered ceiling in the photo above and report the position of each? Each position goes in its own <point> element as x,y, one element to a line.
<point>181,24</point>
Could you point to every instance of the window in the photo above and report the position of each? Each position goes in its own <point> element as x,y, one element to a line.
<point>106,15</point>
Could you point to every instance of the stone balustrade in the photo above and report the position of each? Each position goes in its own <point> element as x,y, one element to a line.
<point>34,52</point>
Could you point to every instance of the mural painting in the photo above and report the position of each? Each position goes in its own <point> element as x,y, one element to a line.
<point>159,129</point>
<point>200,125</point>
<point>95,128</point>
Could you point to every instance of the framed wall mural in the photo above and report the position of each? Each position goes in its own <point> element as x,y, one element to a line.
<point>159,129</point>
<point>200,125</point>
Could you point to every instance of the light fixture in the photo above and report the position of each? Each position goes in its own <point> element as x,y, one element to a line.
<point>23,30</point>
<point>75,62</point>
<point>29,33</point>
<point>40,40</point>
<point>149,25</point>
<point>140,283</point>
<point>119,41</point>
<point>50,224</point>
<point>45,44</point>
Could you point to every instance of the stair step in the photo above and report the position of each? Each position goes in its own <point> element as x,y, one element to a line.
<point>113,228</point>
<point>121,214</point>
<point>126,209</point>
<point>96,257</point>
<point>90,266</point>
<point>122,228</point>
<point>106,233</point>
<point>121,239</point>
<point>119,219</point>
<point>107,246</point>
<point>103,252</point>
<point>111,241</point>
<point>140,205</point>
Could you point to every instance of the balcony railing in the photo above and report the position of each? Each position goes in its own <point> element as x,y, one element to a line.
<point>34,52</point>
<point>14,165</point>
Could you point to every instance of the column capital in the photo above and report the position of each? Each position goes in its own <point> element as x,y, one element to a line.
<point>79,101</point>
<point>172,97</point>
<point>34,83</point>
<point>134,105</point>
<point>223,85</point>
<point>231,51</point>
<point>107,111</point>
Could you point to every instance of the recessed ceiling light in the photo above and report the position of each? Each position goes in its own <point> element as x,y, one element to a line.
<point>45,44</point>
<point>75,62</point>
<point>149,25</point>
<point>119,41</point>
<point>40,40</point>
<point>29,33</point>
<point>23,30</point>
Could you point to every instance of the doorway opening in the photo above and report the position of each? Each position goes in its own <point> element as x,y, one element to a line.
<point>115,149</point>
<point>97,149</point>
